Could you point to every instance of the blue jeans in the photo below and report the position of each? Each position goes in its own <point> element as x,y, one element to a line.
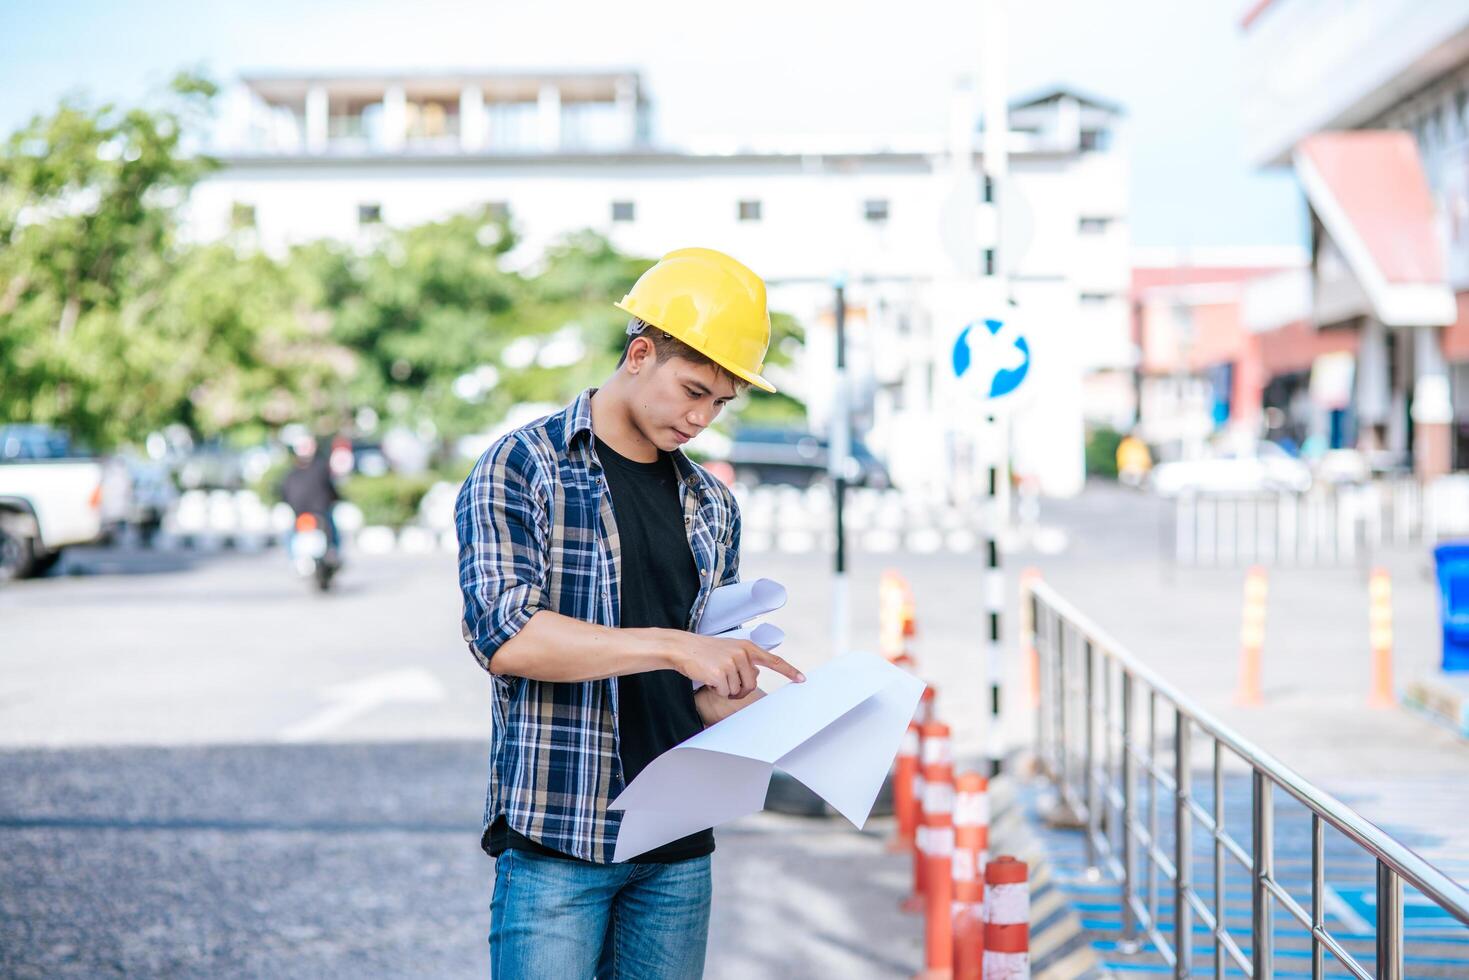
<point>566,920</point>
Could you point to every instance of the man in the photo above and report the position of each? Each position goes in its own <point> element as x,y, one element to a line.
<point>309,489</point>
<point>588,546</point>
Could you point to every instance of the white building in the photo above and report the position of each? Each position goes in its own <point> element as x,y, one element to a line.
<point>1369,103</point>
<point>900,219</point>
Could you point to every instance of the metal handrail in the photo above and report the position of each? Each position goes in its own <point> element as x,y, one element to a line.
<point>1077,702</point>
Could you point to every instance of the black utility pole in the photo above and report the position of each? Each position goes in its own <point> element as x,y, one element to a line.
<point>839,449</point>
<point>994,589</point>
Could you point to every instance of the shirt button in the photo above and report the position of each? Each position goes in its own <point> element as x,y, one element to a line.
<point>688,519</point>
<point>703,571</point>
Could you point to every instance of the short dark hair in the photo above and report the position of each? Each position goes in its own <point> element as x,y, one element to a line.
<point>666,346</point>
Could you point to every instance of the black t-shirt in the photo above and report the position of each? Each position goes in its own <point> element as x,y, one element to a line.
<point>659,584</point>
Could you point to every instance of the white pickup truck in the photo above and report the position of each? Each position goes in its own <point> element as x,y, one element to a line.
<point>46,504</point>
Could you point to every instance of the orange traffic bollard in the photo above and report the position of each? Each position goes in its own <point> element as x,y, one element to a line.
<point>1006,919</point>
<point>1252,639</point>
<point>971,850</point>
<point>914,902</point>
<point>905,804</point>
<point>934,755</point>
<point>927,705</point>
<point>938,846</point>
<point>890,600</point>
<point>908,613</point>
<point>1379,620</point>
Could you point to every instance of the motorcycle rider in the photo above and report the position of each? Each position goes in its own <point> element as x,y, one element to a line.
<point>309,489</point>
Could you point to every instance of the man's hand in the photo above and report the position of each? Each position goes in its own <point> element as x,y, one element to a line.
<point>714,707</point>
<point>727,666</point>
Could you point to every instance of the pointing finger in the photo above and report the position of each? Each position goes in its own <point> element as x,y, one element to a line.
<point>780,666</point>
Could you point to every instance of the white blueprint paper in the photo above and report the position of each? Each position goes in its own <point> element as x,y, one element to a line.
<point>837,733</point>
<point>734,605</point>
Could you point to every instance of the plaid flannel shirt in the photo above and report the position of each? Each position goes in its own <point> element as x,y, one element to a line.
<point>536,531</point>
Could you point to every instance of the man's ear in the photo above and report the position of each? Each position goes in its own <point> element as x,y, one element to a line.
<point>639,354</point>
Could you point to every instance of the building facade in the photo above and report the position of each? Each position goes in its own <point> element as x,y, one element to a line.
<point>898,220</point>
<point>1200,320</point>
<point>1369,104</point>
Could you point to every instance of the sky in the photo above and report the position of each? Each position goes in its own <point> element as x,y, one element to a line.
<point>760,68</point>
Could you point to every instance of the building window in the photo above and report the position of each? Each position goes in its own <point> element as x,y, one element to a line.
<point>989,189</point>
<point>369,214</point>
<point>622,211</point>
<point>1095,139</point>
<point>989,261</point>
<point>242,215</point>
<point>875,209</point>
<point>1093,226</point>
<point>749,210</point>
<point>1094,299</point>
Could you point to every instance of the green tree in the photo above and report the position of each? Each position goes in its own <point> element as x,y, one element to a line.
<point>424,307</point>
<point>110,326</point>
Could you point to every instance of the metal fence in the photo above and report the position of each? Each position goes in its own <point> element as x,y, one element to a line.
<point>1328,525</point>
<point>1107,728</point>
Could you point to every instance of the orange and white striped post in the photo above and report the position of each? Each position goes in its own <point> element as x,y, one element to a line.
<point>1006,919</point>
<point>1379,626</point>
<point>914,902</point>
<point>971,850</point>
<point>890,615</point>
<point>906,629</point>
<point>1028,578</point>
<point>905,803</point>
<point>907,613</point>
<point>927,705</point>
<point>935,758</point>
<point>1252,639</point>
<point>938,879</point>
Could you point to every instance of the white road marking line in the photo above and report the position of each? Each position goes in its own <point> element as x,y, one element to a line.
<point>356,698</point>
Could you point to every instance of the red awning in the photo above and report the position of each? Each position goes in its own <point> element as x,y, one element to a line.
<point>1370,192</point>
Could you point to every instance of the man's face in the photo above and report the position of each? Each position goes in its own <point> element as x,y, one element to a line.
<point>675,400</point>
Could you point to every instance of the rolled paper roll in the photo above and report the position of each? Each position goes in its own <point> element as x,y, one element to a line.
<point>731,606</point>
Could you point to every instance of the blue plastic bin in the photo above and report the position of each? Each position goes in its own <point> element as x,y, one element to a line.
<point>1452,560</point>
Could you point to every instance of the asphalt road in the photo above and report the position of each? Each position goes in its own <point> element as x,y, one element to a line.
<point>208,770</point>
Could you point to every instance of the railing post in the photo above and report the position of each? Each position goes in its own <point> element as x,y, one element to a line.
<point>1318,894</point>
<point>1389,923</point>
<point>1063,747</point>
<point>1129,941</point>
<point>1040,678</point>
<point>1089,794</point>
<point>1183,948</point>
<point>1262,930</point>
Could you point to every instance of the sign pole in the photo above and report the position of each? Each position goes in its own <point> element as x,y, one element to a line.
<point>839,450</point>
<point>997,172</point>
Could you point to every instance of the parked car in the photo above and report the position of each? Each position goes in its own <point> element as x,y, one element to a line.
<point>798,457</point>
<point>137,492</point>
<point>50,499</point>
<point>1263,467</point>
<point>212,466</point>
<point>34,442</point>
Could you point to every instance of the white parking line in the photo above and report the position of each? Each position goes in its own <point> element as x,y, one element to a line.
<point>356,698</point>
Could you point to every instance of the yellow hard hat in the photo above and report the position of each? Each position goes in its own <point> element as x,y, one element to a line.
<point>710,302</point>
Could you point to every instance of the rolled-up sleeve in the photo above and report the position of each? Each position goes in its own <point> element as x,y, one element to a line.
<point>504,542</point>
